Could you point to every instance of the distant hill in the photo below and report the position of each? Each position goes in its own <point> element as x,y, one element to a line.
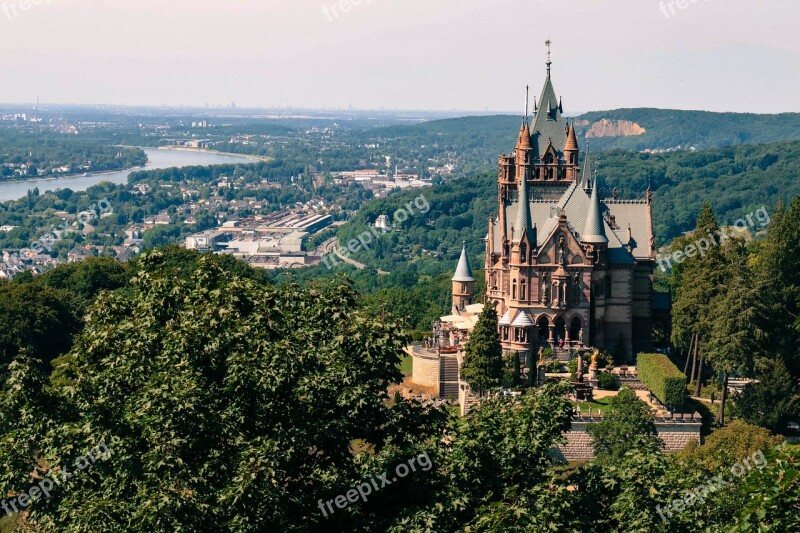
<point>665,129</point>
<point>627,129</point>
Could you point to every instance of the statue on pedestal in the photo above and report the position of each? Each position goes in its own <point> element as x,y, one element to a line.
<point>545,290</point>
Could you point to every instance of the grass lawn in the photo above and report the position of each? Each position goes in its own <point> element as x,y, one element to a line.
<point>598,405</point>
<point>406,365</point>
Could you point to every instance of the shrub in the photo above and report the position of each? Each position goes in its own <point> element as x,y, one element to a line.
<point>663,378</point>
<point>606,381</point>
<point>726,446</point>
<point>511,376</point>
<point>604,360</point>
<point>629,425</point>
<point>573,369</point>
<point>555,367</point>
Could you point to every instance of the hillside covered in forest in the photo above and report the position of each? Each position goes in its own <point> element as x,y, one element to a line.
<point>736,180</point>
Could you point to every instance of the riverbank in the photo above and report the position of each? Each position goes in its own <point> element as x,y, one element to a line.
<point>157,159</point>
<point>51,177</point>
<point>217,152</point>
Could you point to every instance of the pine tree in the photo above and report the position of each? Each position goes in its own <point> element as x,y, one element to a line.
<point>696,282</point>
<point>735,335</point>
<point>482,368</point>
<point>778,267</point>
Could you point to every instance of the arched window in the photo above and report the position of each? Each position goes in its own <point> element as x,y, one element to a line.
<point>523,253</point>
<point>514,290</point>
<point>523,290</point>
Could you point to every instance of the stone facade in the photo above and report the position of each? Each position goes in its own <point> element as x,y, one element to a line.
<point>562,265</point>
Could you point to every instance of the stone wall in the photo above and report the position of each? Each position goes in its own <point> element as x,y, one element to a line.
<point>676,435</point>
<point>425,371</point>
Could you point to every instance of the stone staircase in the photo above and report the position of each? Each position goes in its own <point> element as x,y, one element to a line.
<point>562,355</point>
<point>448,376</point>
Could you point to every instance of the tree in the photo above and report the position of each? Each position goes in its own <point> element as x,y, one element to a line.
<point>736,336</point>
<point>227,402</point>
<point>778,269</point>
<point>38,319</point>
<point>495,465</point>
<point>773,401</point>
<point>511,373</point>
<point>86,278</point>
<point>483,359</point>
<point>728,445</point>
<point>696,282</point>
<point>627,425</point>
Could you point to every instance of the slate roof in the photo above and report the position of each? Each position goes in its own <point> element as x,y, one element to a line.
<point>549,125</point>
<point>575,202</point>
<point>594,230</point>
<point>463,270</point>
<point>523,320</point>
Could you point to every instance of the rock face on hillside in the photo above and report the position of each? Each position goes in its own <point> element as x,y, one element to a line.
<point>614,128</point>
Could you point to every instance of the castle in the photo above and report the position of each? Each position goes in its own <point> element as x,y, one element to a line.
<point>564,268</point>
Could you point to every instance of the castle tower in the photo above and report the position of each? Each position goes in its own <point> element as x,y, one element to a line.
<point>564,267</point>
<point>463,283</point>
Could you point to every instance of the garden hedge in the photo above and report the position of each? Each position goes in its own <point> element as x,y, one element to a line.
<point>663,378</point>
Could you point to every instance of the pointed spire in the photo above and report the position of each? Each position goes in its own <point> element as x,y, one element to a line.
<point>463,270</point>
<point>594,232</point>
<point>524,141</point>
<point>572,141</point>
<point>527,103</point>
<point>523,222</point>
<point>587,170</point>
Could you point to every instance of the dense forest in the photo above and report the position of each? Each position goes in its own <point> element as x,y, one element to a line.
<point>193,374</point>
<point>736,180</point>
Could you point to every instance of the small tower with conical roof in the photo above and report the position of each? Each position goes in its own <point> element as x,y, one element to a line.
<point>571,153</point>
<point>463,283</point>
<point>594,234</point>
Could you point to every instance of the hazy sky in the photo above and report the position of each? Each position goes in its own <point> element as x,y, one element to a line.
<point>719,55</point>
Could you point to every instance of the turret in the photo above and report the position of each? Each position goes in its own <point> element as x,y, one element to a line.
<point>571,147</point>
<point>463,283</point>
<point>594,231</point>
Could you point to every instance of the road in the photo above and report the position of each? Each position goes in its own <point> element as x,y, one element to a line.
<point>329,246</point>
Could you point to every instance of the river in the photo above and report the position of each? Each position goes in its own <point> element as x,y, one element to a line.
<point>156,159</point>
